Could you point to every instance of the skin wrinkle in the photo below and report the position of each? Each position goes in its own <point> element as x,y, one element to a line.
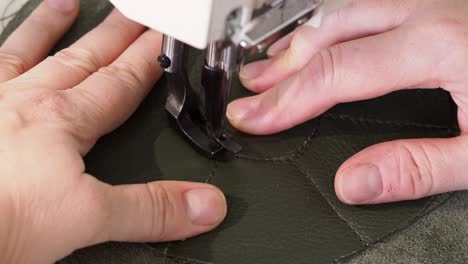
<point>430,171</point>
<point>153,204</point>
<point>413,173</point>
<point>418,172</point>
<point>13,63</point>
<point>81,59</point>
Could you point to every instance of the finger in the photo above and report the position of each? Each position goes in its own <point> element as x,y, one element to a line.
<point>32,41</point>
<point>403,170</point>
<point>350,71</point>
<point>107,98</point>
<point>281,45</point>
<point>162,211</point>
<point>356,20</point>
<point>96,49</point>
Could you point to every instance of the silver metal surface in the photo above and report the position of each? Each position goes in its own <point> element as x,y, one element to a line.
<point>272,23</point>
<point>213,55</point>
<point>223,57</point>
<point>171,48</point>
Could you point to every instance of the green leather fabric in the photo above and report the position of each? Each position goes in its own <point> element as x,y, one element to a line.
<point>282,205</point>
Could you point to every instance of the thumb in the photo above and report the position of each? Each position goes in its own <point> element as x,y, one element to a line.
<point>404,170</point>
<point>163,211</point>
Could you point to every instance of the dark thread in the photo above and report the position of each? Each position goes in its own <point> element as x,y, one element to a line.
<point>293,155</point>
<point>394,123</point>
<point>324,196</point>
<point>212,172</point>
<point>399,229</point>
<point>173,257</point>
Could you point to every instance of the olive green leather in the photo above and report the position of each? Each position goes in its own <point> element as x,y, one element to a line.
<point>282,205</point>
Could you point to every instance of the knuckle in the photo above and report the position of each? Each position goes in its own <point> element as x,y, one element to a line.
<point>323,67</point>
<point>300,50</point>
<point>125,75</point>
<point>415,171</point>
<point>12,63</point>
<point>162,204</point>
<point>48,106</point>
<point>85,60</point>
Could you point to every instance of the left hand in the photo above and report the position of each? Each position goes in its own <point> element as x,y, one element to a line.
<point>52,111</point>
<point>368,49</point>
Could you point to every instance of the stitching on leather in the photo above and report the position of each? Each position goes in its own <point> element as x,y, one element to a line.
<point>287,157</point>
<point>212,173</point>
<point>324,196</point>
<point>166,250</point>
<point>357,120</point>
<point>394,123</point>
<point>293,155</point>
<point>353,254</point>
<point>412,221</point>
<point>292,159</point>
<point>398,228</point>
<point>173,257</point>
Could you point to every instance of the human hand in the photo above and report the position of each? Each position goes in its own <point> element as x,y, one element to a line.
<point>368,49</point>
<point>52,112</point>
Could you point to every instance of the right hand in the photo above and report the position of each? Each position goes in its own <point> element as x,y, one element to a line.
<point>367,49</point>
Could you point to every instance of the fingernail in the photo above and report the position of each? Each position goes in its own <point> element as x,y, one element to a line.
<point>253,70</point>
<point>240,110</point>
<point>63,6</point>
<point>205,207</point>
<point>361,184</point>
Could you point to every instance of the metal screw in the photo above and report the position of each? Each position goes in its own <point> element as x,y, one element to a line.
<point>164,61</point>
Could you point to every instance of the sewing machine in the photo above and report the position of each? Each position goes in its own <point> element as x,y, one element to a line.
<point>230,31</point>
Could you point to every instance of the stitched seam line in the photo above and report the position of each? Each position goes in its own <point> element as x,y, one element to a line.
<point>166,255</point>
<point>357,120</point>
<point>292,156</point>
<point>398,229</point>
<point>393,123</point>
<point>324,196</point>
<point>301,150</point>
<point>212,173</point>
